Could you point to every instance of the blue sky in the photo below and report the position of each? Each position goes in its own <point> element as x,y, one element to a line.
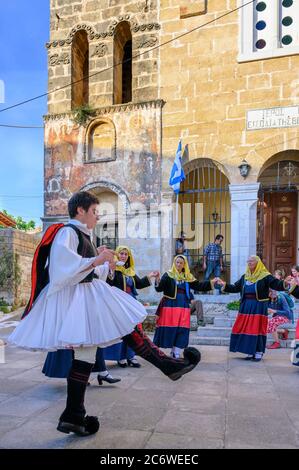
<point>24,30</point>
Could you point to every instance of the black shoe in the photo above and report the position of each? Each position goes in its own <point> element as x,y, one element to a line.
<point>248,358</point>
<point>191,358</point>
<point>133,363</point>
<point>257,359</point>
<point>122,364</point>
<point>108,379</point>
<point>89,425</point>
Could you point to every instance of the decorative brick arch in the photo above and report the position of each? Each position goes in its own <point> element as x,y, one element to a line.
<point>284,155</point>
<point>274,145</point>
<point>203,162</point>
<point>134,25</point>
<point>91,32</point>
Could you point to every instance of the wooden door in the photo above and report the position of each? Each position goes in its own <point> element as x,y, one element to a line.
<point>280,231</point>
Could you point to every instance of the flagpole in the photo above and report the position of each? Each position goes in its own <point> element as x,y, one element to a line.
<point>177,210</point>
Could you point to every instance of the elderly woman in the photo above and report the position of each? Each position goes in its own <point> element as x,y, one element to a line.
<point>249,333</point>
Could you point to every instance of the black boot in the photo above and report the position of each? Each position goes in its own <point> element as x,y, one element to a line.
<point>173,368</point>
<point>73,418</point>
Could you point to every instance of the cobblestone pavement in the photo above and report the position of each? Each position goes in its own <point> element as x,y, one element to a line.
<point>225,402</point>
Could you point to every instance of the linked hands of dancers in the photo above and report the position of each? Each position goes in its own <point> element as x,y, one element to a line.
<point>104,255</point>
<point>155,274</point>
<point>218,281</point>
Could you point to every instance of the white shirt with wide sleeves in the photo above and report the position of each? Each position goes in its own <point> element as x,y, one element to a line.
<point>68,313</point>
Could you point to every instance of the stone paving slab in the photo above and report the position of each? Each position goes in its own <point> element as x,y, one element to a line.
<point>225,402</point>
<point>160,440</point>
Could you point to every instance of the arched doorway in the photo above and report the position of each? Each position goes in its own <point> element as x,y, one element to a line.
<point>206,184</point>
<point>106,230</point>
<point>277,214</point>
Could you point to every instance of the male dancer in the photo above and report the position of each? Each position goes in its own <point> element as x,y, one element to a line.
<point>72,306</point>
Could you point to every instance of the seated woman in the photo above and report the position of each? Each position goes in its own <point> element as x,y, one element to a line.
<point>249,333</point>
<point>173,324</point>
<point>124,277</point>
<point>280,274</point>
<point>281,314</point>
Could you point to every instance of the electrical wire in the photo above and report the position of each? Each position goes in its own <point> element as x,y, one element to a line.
<point>128,60</point>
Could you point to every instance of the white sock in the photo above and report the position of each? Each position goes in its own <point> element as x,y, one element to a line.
<point>176,352</point>
<point>104,373</point>
<point>258,355</point>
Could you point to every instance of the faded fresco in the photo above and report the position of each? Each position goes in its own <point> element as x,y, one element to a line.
<point>70,163</point>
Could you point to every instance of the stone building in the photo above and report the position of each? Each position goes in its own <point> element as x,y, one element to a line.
<point>229,90</point>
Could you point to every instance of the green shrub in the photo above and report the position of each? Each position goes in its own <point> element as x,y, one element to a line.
<point>82,114</point>
<point>233,305</point>
<point>3,302</point>
<point>5,309</point>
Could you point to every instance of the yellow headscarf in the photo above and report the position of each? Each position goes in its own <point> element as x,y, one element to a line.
<point>183,276</point>
<point>130,271</point>
<point>259,273</point>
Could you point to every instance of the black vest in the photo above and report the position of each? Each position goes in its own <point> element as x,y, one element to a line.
<point>86,249</point>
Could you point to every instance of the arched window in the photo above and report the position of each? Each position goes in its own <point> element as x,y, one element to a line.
<point>101,142</point>
<point>80,69</point>
<point>122,87</point>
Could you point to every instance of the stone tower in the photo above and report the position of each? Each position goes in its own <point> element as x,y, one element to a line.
<point>116,152</point>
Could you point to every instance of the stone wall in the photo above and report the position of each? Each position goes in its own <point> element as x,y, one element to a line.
<point>22,246</point>
<point>208,91</point>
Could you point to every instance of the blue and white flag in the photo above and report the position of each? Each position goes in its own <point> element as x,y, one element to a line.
<point>177,172</point>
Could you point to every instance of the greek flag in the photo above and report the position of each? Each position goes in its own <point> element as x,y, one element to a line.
<point>177,172</point>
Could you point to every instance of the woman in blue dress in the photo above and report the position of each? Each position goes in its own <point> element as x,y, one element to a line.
<point>173,323</point>
<point>249,333</point>
<point>58,364</point>
<point>124,277</point>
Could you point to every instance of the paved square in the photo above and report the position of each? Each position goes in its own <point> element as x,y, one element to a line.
<point>225,402</point>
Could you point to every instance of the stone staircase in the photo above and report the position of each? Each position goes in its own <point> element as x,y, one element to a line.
<point>218,332</point>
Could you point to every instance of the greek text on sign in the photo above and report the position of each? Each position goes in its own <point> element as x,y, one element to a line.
<point>272,118</point>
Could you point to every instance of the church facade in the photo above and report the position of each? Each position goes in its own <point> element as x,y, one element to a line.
<point>129,79</point>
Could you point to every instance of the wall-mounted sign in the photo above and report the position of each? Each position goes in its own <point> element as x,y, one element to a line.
<point>272,118</point>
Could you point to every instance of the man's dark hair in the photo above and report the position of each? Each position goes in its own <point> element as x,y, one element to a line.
<point>219,236</point>
<point>82,199</point>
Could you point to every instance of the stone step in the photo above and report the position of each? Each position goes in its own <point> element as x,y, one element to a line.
<point>222,341</point>
<point>216,298</point>
<point>210,341</point>
<point>211,331</point>
<point>223,321</point>
<point>224,331</point>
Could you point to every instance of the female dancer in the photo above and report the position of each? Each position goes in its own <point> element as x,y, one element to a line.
<point>173,323</point>
<point>124,277</point>
<point>249,333</point>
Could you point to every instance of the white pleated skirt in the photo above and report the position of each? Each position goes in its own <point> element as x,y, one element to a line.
<point>86,314</point>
